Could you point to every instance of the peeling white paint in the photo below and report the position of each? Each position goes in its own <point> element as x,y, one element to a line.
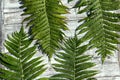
<point>12,19</point>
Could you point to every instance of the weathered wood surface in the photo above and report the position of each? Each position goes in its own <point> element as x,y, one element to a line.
<point>12,21</point>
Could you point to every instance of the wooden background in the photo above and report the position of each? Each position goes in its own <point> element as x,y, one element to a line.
<point>10,21</point>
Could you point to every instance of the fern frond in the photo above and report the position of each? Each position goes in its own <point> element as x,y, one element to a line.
<point>101,24</point>
<point>46,22</point>
<point>19,63</point>
<point>72,63</point>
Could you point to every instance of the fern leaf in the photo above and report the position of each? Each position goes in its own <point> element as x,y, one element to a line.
<point>19,63</point>
<point>45,22</point>
<point>72,63</point>
<point>101,25</point>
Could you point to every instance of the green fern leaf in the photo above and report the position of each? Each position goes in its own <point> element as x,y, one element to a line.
<point>72,63</point>
<point>19,63</point>
<point>45,22</point>
<point>101,24</point>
